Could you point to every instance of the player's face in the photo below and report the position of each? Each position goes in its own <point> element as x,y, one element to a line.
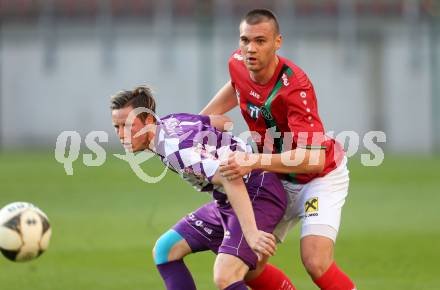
<point>127,133</point>
<point>258,44</point>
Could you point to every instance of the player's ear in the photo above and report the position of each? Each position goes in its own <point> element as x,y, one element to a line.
<point>278,41</point>
<point>149,119</point>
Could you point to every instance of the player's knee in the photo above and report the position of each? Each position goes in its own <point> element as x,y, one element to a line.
<point>316,254</point>
<point>228,270</point>
<point>223,280</point>
<point>165,249</point>
<point>316,266</point>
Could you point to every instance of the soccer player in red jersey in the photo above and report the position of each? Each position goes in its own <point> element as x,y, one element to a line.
<point>278,102</point>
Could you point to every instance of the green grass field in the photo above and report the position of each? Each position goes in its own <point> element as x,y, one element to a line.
<point>105,222</point>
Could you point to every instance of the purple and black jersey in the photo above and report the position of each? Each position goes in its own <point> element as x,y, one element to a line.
<point>190,146</point>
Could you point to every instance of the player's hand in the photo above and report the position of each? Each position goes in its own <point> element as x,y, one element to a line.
<point>262,243</point>
<point>238,165</point>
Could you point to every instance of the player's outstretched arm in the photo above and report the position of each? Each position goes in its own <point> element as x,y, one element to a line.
<point>299,161</point>
<point>224,101</point>
<point>261,243</point>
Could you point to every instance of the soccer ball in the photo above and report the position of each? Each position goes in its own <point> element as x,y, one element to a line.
<point>24,231</point>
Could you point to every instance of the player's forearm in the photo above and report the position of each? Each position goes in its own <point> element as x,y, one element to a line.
<point>223,101</point>
<point>241,204</point>
<point>299,161</point>
<point>221,122</point>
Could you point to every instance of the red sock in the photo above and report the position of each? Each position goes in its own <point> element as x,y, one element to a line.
<point>271,278</point>
<point>334,279</point>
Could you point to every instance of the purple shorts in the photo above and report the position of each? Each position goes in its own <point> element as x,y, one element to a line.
<point>215,226</point>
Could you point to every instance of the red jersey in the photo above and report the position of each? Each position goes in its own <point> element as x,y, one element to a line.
<point>287,101</point>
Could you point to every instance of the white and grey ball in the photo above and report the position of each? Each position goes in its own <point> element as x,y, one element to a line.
<point>25,231</point>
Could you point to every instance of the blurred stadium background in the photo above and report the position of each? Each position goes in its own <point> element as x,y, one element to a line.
<point>375,65</point>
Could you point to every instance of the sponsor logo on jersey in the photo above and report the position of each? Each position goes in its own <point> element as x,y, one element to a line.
<point>253,110</point>
<point>238,56</point>
<point>285,80</point>
<point>311,205</point>
<point>254,94</point>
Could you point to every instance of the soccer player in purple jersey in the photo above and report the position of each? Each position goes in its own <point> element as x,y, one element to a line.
<point>236,225</point>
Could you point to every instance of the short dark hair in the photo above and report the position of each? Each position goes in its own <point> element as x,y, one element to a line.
<point>257,16</point>
<point>139,97</point>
